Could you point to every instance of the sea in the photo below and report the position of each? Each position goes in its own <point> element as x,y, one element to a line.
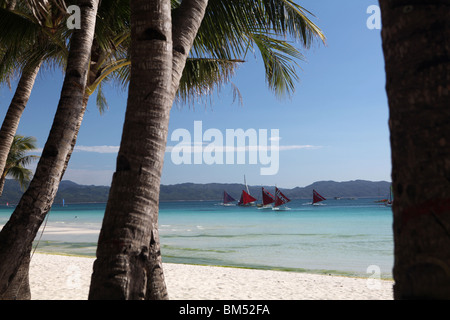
<point>349,237</point>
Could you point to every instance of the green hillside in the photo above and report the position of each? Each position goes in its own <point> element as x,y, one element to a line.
<point>72,192</point>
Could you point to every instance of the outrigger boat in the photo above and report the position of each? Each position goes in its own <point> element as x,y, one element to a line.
<point>387,202</point>
<point>391,198</point>
<point>267,200</point>
<point>228,200</point>
<point>246,199</point>
<point>280,200</point>
<point>317,197</point>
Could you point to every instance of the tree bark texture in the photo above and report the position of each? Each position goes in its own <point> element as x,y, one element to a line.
<point>416,45</point>
<point>14,113</point>
<point>3,180</point>
<point>129,264</point>
<point>19,286</point>
<point>26,219</point>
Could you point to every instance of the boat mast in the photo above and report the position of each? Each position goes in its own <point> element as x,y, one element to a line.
<point>245,182</point>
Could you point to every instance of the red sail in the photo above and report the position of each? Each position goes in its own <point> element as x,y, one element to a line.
<point>280,198</point>
<point>227,198</point>
<point>317,197</point>
<point>267,197</point>
<point>246,198</point>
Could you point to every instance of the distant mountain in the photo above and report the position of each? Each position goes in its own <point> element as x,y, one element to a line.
<point>346,189</point>
<point>329,189</point>
<point>72,192</point>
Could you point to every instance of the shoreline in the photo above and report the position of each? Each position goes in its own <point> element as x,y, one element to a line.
<point>335,273</point>
<point>324,272</point>
<point>67,277</point>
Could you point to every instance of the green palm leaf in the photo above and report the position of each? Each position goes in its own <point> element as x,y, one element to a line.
<point>18,159</point>
<point>278,57</point>
<point>229,30</point>
<point>203,76</point>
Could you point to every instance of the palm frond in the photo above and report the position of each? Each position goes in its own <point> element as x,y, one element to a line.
<point>45,10</point>
<point>201,77</point>
<point>8,66</point>
<point>278,57</point>
<point>230,28</point>
<point>21,174</point>
<point>113,19</point>
<point>18,159</point>
<point>285,17</point>
<point>27,43</point>
<point>25,31</point>
<point>101,102</point>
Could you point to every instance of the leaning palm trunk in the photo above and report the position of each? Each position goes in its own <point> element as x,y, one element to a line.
<point>3,180</point>
<point>19,286</point>
<point>128,264</point>
<point>13,115</point>
<point>416,49</point>
<point>26,219</point>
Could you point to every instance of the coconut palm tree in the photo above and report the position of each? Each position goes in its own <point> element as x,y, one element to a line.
<point>416,50</point>
<point>99,71</point>
<point>18,160</point>
<point>15,167</point>
<point>128,264</point>
<point>32,38</point>
<point>21,95</point>
<point>14,113</point>
<point>18,52</point>
<point>26,219</point>
<point>107,36</point>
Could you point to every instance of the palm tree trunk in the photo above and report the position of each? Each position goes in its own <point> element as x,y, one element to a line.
<point>26,219</point>
<point>128,264</point>
<point>2,181</point>
<point>416,48</point>
<point>19,287</point>
<point>14,113</point>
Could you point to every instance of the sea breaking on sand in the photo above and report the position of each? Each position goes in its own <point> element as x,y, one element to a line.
<point>58,277</point>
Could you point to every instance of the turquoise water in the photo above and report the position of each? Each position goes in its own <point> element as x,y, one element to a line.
<point>338,237</point>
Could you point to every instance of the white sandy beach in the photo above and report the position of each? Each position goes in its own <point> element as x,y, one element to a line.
<point>57,277</point>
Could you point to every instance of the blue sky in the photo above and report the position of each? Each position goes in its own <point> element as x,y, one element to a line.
<point>334,127</point>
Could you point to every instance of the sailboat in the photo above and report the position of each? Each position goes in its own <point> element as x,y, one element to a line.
<point>228,200</point>
<point>317,197</point>
<point>391,198</point>
<point>280,200</point>
<point>267,200</point>
<point>246,199</point>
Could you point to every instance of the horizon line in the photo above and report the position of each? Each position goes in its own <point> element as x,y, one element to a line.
<point>239,183</point>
